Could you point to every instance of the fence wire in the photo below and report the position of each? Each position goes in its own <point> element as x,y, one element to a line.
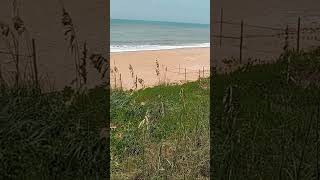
<point>251,39</point>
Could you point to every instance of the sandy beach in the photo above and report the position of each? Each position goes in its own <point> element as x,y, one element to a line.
<point>43,20</point>
<point>172,67</point>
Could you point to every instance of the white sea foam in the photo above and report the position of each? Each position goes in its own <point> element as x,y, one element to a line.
<point>129,48</point>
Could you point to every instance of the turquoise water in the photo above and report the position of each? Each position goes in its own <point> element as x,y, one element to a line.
<point>136,35</point>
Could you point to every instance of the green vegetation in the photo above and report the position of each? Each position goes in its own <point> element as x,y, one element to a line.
<point>161,132</point>
<point>58,135</point>
<point>266,120</point>
<point>265,126</point>
<point>55,135</point>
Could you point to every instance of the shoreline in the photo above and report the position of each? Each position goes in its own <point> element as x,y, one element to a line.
<point>193,47</point>
<point>175,66</point>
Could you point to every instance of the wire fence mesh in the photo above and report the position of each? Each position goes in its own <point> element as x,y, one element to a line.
<point>166,75</point>
<point>240,41</point>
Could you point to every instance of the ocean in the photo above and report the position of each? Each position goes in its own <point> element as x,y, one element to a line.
<point>138,35</point>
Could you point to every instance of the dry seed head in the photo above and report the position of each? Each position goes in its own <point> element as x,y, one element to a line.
<point>136,82</point>
<point>131,70</point>
<point>4,29</point>
<point>69,31</point>
<point>145,121</point>
<point>18,25</point>
<point>116,69</point>
<point>157,68</point>
<point>82,68</point>
<point>100,63</point>
<point>158,72</point>
<point>140,80</point>
<point>66,19</point>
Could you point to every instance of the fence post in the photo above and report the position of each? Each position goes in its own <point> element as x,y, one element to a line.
<point>298,34</point>
<point>286,46</point>
<point>199,75</point>
<point>221,25</point>
<point>241,42</point>
<point>203,71</point>
<point>17,64</point>
<point>185,74</point>
<point>286,42</point>
<point>35,68</point>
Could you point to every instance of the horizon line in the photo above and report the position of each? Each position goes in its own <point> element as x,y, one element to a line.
<point>159,21</point>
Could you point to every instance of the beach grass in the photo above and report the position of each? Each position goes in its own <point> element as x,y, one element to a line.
<point>57,135</point>
<point>266,126</point>
<point>263,126</point>
<point>161,132</point>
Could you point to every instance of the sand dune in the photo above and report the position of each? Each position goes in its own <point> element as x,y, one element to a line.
<point>190,60</point>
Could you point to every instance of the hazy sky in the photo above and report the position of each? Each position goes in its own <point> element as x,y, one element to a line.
<point>195,11</point>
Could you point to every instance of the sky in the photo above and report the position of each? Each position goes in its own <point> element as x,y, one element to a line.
<point>190,11</point>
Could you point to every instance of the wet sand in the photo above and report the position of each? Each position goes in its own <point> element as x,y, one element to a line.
<point>191,60</point>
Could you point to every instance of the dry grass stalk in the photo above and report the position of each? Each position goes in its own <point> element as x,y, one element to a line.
<point>69,31</point>
<point>2,81</point>
<point>20,29</point>
<point>101,64</point>
<point>141,82</point>
<point>8,35</point>
<point>202,71</point>
<point>182,97</point>
<point>165,75</point>
<point>11,38</point>
<point>229,63</point>
<point>136,82</point>
<point>131,70</point>
<point>185,74</point>
<point>115,81</point>
<point>116,71</point>
<point>83,65</point>
<point>132,75</point>
<point>158,70</point>
<point>286,53</point>
<point>35,66</point>
<point>4,29</point>
<point>19,25</point>
<point>70,36</point>
<point>120,79</point>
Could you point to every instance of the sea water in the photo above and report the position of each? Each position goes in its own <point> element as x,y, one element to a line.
<point>138,35</point>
